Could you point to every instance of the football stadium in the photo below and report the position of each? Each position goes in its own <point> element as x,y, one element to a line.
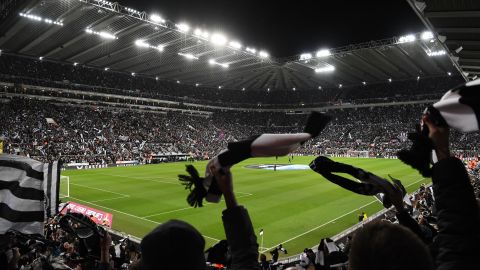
<point>136,138</point>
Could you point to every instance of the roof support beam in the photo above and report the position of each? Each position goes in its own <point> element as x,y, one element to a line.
<point>453,14</point>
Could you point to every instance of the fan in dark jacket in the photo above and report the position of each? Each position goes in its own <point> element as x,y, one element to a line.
<point>386,246</point>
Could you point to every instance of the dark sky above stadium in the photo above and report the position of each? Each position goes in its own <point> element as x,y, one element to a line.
<point>287,27</point>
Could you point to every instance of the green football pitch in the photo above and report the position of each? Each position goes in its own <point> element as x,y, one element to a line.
<point>294,207</point>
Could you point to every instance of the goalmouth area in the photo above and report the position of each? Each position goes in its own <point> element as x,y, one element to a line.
<point>296,207</point>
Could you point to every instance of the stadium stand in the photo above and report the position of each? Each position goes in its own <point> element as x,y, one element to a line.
<point>52,109</point>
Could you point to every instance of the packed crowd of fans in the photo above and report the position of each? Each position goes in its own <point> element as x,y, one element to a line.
<point>435,228</point>
<point>29,71</point>
<point>99,135</point>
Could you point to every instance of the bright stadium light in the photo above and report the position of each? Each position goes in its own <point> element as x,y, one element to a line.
<point>107,68</point>
<point>251,50</point>
<point>156,78</point>
<point>75,64</point>
<point>183,27</point>
<point>427,35</point>
<point>340,85</point>
<point>178,81</point>
<point>133,73</point>
<point>41,58</point>
<point>319,87</point>
<point>327,68</point>
<point>449,73</point>
<point>323,53</point>
<point>243,89</point>
<point>294,88</point>
<point>197,84</point>
<point>218,39</point>
<point>364,83</point>
<point>141,43</point>
<point>305,56</point>
<point>389,79</point>
<point>219,87</point>
<point>213,62</point>
<point>156,18</point>
<point>235,44</point>
<point>102,34</point>
<point>407,38</point>
<point>418,78</point>
<point>268,89</point>
<point>436,53</point>
<point>188,56</point>
<point>263,54</point>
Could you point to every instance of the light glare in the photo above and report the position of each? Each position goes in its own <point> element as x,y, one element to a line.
<point>323,53</point>
<point>218,39</point>
<point>328,68</point>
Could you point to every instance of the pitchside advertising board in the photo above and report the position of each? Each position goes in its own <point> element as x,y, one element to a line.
<point>98,216</point>
<point>86,165</point>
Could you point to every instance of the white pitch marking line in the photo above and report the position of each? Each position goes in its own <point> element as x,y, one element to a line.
<point>116,198</point>
<point>100,189</point>
<point>139,178</point>
<point>311,230</point>
<point>114,210</point>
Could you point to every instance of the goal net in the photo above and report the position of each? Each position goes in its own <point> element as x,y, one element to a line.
<point>64,186</point>
<point>354,153</point>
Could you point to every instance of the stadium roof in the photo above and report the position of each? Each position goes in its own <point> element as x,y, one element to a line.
<point>458,24</point>
<point>109,36</point>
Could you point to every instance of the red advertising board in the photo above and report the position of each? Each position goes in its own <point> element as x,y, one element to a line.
<point>98,216</point>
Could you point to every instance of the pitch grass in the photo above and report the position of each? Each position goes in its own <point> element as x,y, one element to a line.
<point>295,208</point>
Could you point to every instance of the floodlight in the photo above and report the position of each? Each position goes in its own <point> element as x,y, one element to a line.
<point>294,89</point>
<point>213,62</point>
<point>205,34</point>
<point>418,78</point>
<point>327,68</point>
<point>156,78</point>
<point>107,68</point>
<point>188,56</point>
<point>389,79</point>
<point>319,87</point>
<point>198,32</point>
<point>450,74</point>
<point>183,27</point>
<point>263,54</point>
<point>101,34</point>
<point>364,83</point>
<point>323,53</point>
<point>106,35</point>
<point>41,58</point>
<point>133,73</point>
<point>407,38</point>
<point>436,53</point>
<point>427,35</point>
<point>74,64</point>
<point>340,85</point>
<point>268,89</point>
<point>219,87</point>
<point>235,44</point>
<point>251,50</point>
<point>156,18</point>
<point>178,81</point>
<point>243,89</point>
<point>305,56</point>
<point>197,84</point>
<point>141,43</point>
<point>218,39</point>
